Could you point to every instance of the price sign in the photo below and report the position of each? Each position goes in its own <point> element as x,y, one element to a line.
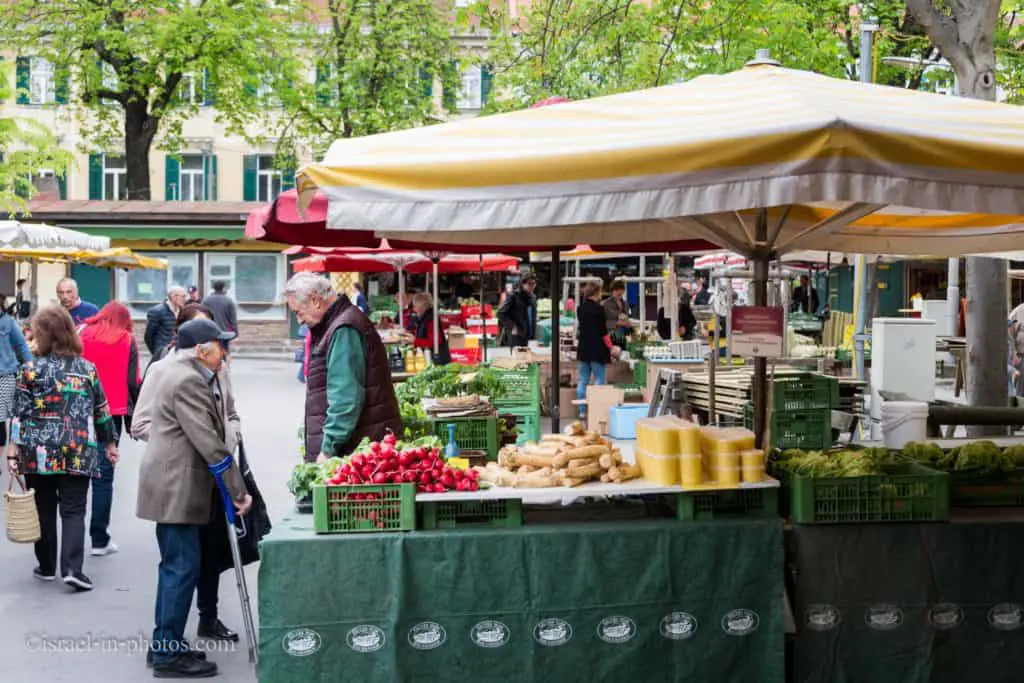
<point>757,331</point>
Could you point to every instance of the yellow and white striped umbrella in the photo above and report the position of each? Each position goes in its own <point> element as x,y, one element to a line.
<point>840,165</point>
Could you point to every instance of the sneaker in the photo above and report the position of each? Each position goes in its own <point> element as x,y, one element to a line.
<point>185,666</point>
<point>39,574</point>
<point>79,581</point>
<point>109,549</point>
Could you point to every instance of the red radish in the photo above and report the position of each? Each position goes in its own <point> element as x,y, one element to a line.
<point>380,478</point>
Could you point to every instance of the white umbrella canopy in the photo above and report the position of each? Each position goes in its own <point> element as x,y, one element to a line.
<point>19,235</point>
<point>837,166</point>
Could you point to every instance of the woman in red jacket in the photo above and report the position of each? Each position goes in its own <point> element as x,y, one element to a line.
<point>108,343</point>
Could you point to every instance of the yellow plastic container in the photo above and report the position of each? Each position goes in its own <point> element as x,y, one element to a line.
<point>753,465</point>
<point>658,468</point>
<point>658,435</point>
<point>689,437</point>
<point>727,472</point>
<point>743,437</point>
<point>472,342</point>
<point>691,470</point>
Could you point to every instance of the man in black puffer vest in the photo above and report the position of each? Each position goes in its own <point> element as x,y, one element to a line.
<point>349,394</point>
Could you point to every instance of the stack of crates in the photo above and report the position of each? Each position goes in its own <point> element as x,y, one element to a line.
<point>801,415</point>
<point>522,400</point>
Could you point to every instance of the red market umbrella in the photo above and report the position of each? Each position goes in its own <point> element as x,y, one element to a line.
<point>453,263</point>
<point>340,263</point>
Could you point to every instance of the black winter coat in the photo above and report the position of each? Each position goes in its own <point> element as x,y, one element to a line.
<point>592,331</point>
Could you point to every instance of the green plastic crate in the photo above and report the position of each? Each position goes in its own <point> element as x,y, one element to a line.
<point>528,423</point>
<point>805,429</point>
<point>640,373</point>
<point>342,510</point>
<point>522,388</point>
<point>910,494</point>
<point>701,505</point>
<point>471,514</point>
<point>806,391</point>
<point>384,302</point>
<point>471,433</point>
<point>975,490</point>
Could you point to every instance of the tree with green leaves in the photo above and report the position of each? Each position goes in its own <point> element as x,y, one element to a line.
<point>27,146</point>
<point>137,71</point>
<point>378,65</point>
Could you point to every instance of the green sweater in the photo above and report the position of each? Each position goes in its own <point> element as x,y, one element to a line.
<point>346,387</point>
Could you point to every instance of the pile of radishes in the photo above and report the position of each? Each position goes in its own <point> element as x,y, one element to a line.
<point>383,463</point>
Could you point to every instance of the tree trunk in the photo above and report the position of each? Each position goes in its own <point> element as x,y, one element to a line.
<point>139,130</point>
<point>964,31</point>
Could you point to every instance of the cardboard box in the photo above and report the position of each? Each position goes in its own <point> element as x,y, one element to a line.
<point>600,400</point>
<point>456,338</point>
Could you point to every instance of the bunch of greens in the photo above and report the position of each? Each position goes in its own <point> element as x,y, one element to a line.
<point>982,457</point>
<point>847,463</point>
<point>306,475</point>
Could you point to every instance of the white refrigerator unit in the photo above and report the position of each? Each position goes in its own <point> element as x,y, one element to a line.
<point>902,360</point>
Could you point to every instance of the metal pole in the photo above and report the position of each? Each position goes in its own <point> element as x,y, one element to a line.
<point>672,297</point>
<point>483,310</point>
<point>953,295</point>
<point>556,340</point>
<point>761,258</point>
<point>643,294</point>
<point>401,297</point>
<point>579,274</point>
<point>860,270</point>
<point>437,320</point>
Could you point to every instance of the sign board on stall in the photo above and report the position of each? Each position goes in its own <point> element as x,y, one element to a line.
<point>757,331</point>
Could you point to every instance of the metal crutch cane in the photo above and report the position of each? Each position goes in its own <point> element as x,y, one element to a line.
<point>243,590</point>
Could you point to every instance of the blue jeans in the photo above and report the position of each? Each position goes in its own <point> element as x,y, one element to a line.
<point>586,370</point>
<point>178,575</point>
<point>103,496</point>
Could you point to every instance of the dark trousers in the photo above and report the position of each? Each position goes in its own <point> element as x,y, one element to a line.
<point>211,537</point>
<point>69,492</point>
<point>178,575</point>
<point>103,495</point>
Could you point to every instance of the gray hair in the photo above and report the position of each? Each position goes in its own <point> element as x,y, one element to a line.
<point>302,286</point>
<point>175,289</point>
<point>68,280</point>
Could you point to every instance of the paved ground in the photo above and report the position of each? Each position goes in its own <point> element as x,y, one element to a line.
<point>121,606</point>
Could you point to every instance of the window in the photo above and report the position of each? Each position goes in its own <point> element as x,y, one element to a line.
<point>140,290</point>
<point>42,88</point>
<point>115,177</point>
<point>255,282</point>
<point>463,3</point>
<point>268,179</point>
<point>193,178</point>
<point>192,89</point>
<point>469,93</point>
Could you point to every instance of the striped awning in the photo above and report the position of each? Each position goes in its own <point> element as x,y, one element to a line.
<point>824,164</point>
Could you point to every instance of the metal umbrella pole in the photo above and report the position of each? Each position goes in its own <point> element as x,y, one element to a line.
<point>483,311</point>
<point>437,322</point>
<point>556,340</point>
<point>401,297</point>
<point>218,471</point>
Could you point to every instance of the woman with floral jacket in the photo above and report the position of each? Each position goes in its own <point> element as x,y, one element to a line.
<point>64,428</point>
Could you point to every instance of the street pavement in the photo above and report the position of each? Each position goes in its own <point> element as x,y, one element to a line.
<point>51,635</point>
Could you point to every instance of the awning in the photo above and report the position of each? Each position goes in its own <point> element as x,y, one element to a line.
<point>19,235</point>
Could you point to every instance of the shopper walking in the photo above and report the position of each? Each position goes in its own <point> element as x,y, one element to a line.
<point>65,430</point>
<point>360,298</point>
<point>595,349</point>
<point>160,320</point>
<point>14,351</point>
<point>225,311</point>
<point>518,315</point>
<point>109,344</point>
<point>189,431</point>
<point>67,294</point>
<point>349,394</point>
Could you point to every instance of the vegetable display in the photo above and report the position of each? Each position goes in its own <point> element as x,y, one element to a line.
<point>981,457</point>
<point>976,456</point>
<point>441,381</point>
<point>848,463</point>
<point>568,459</point>
<point>388,462</point>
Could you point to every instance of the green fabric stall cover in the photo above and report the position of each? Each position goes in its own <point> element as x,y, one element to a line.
<point>909,603</point>
<point>652,600</point>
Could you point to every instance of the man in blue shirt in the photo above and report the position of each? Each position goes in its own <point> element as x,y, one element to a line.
<point>67,292</point>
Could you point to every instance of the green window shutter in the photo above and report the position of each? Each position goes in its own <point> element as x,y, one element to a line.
<point>288,179</point>
<point>249,192</point>
<point>427,79</point>
<point>95,176</point>
<point>486,84</point>
<point>62,74</point>
<point>62,184</point>
<point>207,89</point>
<point>450,95</point>
<point>323,86</point>
<point>172,178</point>
<point>23,69</point>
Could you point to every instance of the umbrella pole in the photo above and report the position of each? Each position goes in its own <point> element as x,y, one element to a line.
<point>401,298</point>
<point>437,321</point>
<point>483,309</point>
<point>556,341</point>
<point>761,258</point>
<point>642,299</point>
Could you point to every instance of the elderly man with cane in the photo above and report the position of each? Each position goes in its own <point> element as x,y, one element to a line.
<point>188,435</point>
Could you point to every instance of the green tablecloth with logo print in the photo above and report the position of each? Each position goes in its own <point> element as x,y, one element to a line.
<point>909,603</point>
<point>645,600</point>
